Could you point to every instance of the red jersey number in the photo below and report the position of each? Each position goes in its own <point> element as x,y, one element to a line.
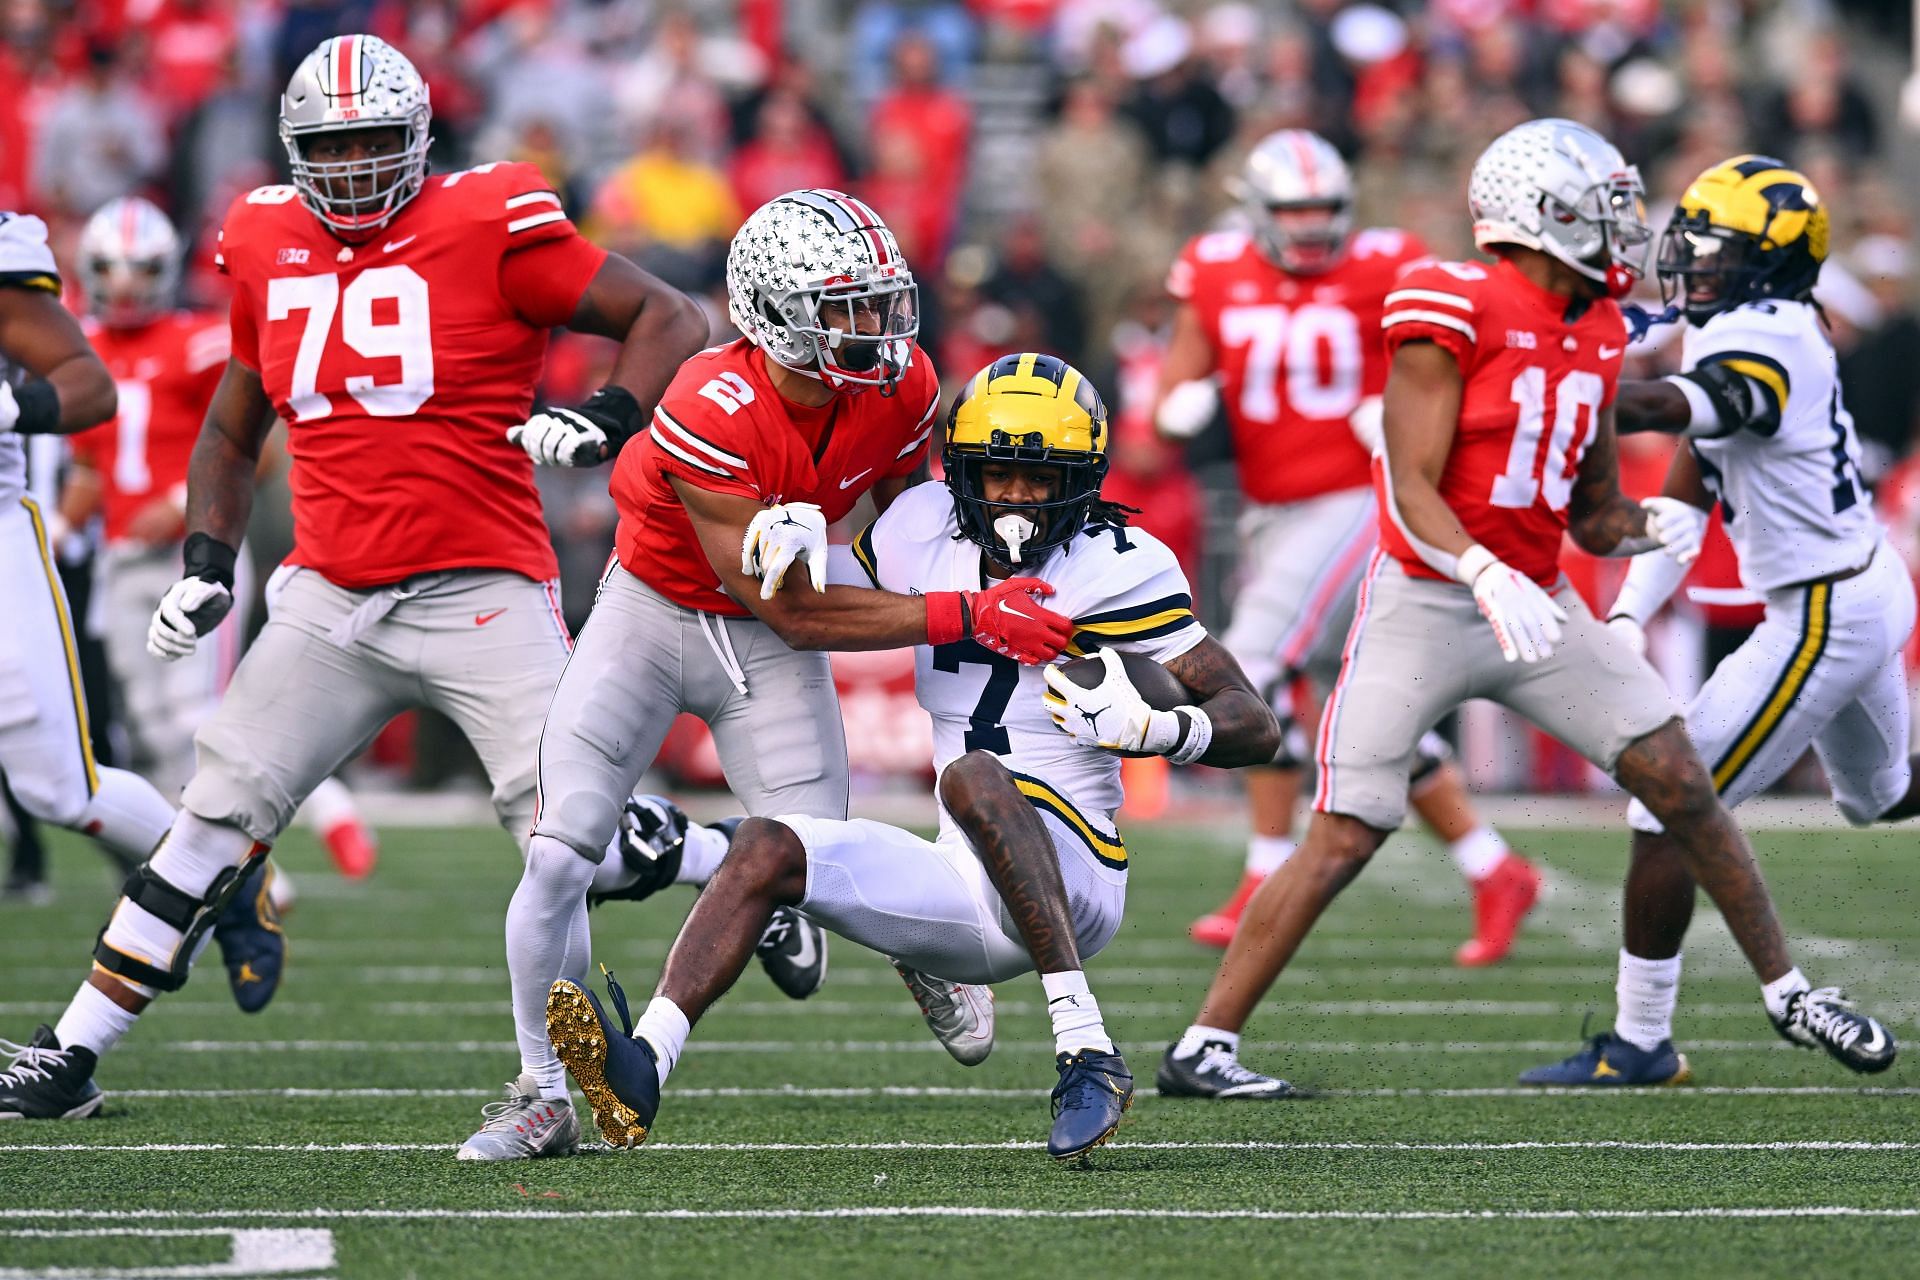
<point>1534,472</point>
<point>384,315</point>
<point>1319,348</point>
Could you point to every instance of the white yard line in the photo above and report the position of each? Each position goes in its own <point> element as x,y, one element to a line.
<point>349,1148</point>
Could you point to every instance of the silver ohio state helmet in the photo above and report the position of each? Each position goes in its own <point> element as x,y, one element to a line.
<point>817,281</point>
<point>1295,170</point>
<point>129,262</point>
<point>1559,187</point>
<point>349,83</point>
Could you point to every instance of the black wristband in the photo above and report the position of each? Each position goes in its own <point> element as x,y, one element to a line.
<point>208,558</point>
<point>616,407</point>
<point>39,407</point>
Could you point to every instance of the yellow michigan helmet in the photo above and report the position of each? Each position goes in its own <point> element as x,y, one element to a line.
<point>1031,410</point>
<point>1747,228</point>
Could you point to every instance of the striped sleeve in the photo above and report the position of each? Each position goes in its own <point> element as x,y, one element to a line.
<point>690,450</point>
<point>1429,304</point>
<point>907,461</point>
<point>1137,597</point>
<point>1765,373</point>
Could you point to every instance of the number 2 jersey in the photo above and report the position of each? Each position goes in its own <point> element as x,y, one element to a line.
<point>1789,486</point>
<point>400,362</point>
<point>1122,587</point>
<point>1536,373</point>
<point>1295,354</point>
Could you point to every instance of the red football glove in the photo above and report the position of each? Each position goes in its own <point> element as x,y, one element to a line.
<point>1005,618</point>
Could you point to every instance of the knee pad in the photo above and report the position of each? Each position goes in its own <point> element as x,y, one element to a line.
<point>188,915</point>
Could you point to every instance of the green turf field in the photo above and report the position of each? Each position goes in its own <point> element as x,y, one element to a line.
<point>835,1136</point>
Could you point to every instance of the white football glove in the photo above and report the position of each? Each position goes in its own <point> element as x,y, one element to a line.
<point>9,407</point>
<point>1524,618</point>
<point>1679,527</point>
<point>191,608</point>
<point>1187,408</point>
<point>1368,423</point>
<point>561,438</point>
<point>1630,631</point>
<point>780,535</point>
<point>1114,717</point>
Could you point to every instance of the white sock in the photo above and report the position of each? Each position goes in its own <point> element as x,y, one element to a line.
<point>93,1022</point>
<point>700,856</point>
<point>665,1028</point>
<point>613,872</point>
<point>1777,992</point>
<point>1645,993</point>
<point>1075,1013</point>
<point>1478,852</point>
<point>329,805</point>
<point>1265,854</point>
<point>1196,1035</point>
<point>126,814</point>
<point>547,939</point>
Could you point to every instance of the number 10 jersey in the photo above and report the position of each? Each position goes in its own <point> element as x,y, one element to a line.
<point>399,363</point>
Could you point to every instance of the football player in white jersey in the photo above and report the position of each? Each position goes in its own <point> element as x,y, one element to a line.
<point>1769,439</point>
<point>1028,872</point>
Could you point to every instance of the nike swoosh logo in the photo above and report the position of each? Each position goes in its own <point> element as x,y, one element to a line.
<point>1007,608</point>
<point>482,619</point>
<point>808,953</point>
<point>1879,1040</point>
<point>391,245</point>
<point>850,480</point>
<point>1608,353</point>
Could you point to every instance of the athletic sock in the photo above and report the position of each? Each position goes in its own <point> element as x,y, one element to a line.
<point>1781,989</point>
<point>613,873</point>
<point>1265,854</point>
<point>1075,1013</point>
<point>1478,852</point>
<point>92,1021</point>
<point>547,939</point>
<point>1645,993</point>
<point>329,805</point>
<point>700,856</point>
<point>665,1028</point>
<point>1197,1036</point>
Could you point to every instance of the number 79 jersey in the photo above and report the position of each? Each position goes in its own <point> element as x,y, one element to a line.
<point>1122,587</point>
<point>1535,382</point>
<point>399,363</point>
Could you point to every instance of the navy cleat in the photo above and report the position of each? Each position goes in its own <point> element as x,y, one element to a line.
<point>1825,1019</point>
<point>653,836</point>
<point>252,942</point>
<point>1608,1061</point>
<point>616,1071</point>
<point>1095,1090</point>
<point>46,1082</point>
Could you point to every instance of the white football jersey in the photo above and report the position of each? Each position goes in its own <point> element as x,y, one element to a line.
<point>25,262</point>
<point>1793,501</point>
<point>1122,587</point>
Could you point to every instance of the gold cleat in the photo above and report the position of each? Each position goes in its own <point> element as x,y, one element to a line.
<point>623,1107</point>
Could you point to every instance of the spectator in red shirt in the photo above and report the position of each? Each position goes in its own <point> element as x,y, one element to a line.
<point>935,118</point>
<point>786,151</point>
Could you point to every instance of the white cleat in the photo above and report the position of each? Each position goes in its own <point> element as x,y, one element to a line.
<point>524,1126</point>
<point>960,1016</point>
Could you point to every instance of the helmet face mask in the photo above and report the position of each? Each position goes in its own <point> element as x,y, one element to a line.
<point>129,260</point>
<point>1745,229</point>
<point>356,89</point>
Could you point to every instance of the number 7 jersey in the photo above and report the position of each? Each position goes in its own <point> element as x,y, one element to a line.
<point>1122,587</point>
<point>400,362</point>
<point>1535,383</point>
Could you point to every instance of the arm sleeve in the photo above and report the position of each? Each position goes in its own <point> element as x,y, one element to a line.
<point>1742,342</point>
<point>1651,579</point>
<point>1429,304</point>
<point>1149,608</point>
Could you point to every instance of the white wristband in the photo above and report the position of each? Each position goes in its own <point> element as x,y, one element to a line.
<point>1199,735</point>
<point>1473,562</point>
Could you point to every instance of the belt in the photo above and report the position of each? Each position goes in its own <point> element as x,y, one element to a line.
<point>1841,576</point>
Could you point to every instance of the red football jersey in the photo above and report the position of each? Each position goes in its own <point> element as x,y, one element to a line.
<point>722,427</point>
<point>1295,354</point>
<point>1535,383</point>
<point>165,373</point>
<point>400,363</point>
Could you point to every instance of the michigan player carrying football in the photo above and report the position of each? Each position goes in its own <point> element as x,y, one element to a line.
<point>756,447</point>
<point>1289,319</point>
<point>397,322</point>
<point>166,363</point>
<point>1758,401</point>
<point>1027,872</point>
<point>1499,436</point>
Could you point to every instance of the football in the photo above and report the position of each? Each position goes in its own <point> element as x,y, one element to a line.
<point>1155,683</point>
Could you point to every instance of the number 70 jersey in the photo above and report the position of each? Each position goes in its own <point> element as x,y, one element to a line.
<point>1122,587</point>
<point>1535,383</point>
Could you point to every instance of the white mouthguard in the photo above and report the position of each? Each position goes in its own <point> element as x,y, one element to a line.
<point>1013,530</point>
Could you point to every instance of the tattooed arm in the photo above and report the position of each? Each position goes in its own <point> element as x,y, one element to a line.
<point>1245,731</point>
<point>1603,520</point>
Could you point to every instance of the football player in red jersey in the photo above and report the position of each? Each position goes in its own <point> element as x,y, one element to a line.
<point>132,472</point>
<point>1499,437</point>
<point>397,322</point>
<point>754,449</point>
<point>1287,318</point>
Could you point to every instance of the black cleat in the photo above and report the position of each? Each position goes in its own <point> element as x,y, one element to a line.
<point>1214,1071</point>
<point>251,940</point>
<point>46,1082</point>
<point>793,951</point>
<point>1825,1019</point>
<point>653,835</point>
<point>1095,1090</point>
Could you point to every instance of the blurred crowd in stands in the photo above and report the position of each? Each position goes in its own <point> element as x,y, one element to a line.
<point>1040,160</point>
